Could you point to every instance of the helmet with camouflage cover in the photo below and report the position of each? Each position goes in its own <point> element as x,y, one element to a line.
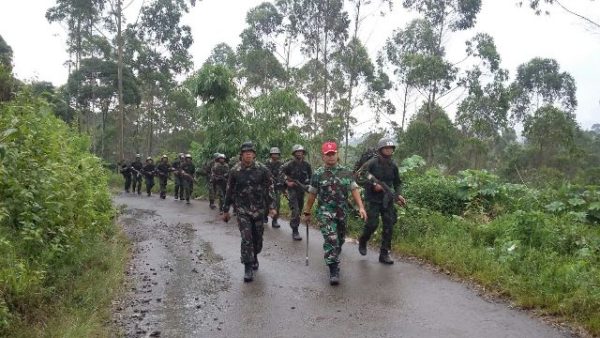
<point>164,156</point>
<point>188,155</point>
<point>274,150</point>
<point>219,156</point>
<point>297,147</point>
<point>215,155</point>
<point>385,142</point>
<point>247,146</point>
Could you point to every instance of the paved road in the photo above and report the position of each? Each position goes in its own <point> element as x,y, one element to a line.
<point>185,280</point>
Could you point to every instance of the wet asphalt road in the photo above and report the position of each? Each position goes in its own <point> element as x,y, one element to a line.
<point>185,280</point>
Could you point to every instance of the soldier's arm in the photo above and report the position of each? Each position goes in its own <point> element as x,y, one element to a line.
<point>229,193</point>
<point>313,189</point>
<point>270,187</point>
<point>397,181</point>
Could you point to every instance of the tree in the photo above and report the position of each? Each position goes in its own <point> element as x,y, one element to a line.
<point>538,7</point>
<point>538,83</point>
<point>6,81</point>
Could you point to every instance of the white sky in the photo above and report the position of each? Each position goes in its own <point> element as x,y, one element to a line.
<point>39,54</point>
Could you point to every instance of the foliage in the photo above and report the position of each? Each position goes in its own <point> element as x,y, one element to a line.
<point>53,202</point>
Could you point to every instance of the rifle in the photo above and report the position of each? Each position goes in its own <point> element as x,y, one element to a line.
<point>137,172</point>
<point>388,192</point>
<point>298,183</point>
<point>188,176</point>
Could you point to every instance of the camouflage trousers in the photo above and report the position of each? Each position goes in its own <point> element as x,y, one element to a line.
<point>162,182</point>
<point>211,192</point>
<point>218,188</point>
<point>137,183</point>
<point>388,219</point>
<point>178,186</point>
<point>149,184</point>
<point>251,230</point>
<point>296,201</point>
<point>188,187</point>
<point>127,178</point>
<point>334,235</point>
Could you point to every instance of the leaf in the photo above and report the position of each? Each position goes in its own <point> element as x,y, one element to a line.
<point>594,206</point>
<point>555,206</point>
<point>576,201</point>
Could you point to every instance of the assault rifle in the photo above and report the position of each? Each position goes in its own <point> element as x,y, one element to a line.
<point>298,183</point>
<point>188,176</point>
<point>389,194</point>
<point>138,174</point>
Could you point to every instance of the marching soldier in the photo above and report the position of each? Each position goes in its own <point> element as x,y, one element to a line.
<point>126,172</point>
<point>248,187</point>
<point>274,165</point>
<point>218,179</point>
<point>149,170</point>
<point>330,186</point>
<point>136,167</point>
<point>187,172</point>
<point>163,170</point>
<point>379,173</point>
<point>177,176</point>
<point>297,173</point>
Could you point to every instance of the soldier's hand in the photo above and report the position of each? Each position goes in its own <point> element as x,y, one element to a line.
<point>377,187</point>
<point>362,213</point>
<point>401,201</point>
<point>272,213</point>
<point>290,184</point>
<point>226,217</point>
<point>307,217</point>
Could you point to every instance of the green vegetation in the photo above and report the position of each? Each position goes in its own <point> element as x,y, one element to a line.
<point>61,255</point>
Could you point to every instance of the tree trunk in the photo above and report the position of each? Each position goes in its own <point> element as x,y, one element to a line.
<point>121,118</point>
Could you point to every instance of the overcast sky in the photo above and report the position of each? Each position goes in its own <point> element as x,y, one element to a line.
<point>38,47</point>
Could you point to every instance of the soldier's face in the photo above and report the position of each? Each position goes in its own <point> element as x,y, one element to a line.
<point>275,157</point>
<point>299,155</point>
<point>248,157</point>
<point>221,160</point>
<point>387,151</point>
<point>330,159</point>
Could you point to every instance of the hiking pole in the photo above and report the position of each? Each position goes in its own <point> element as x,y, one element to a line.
<point>307,243</point>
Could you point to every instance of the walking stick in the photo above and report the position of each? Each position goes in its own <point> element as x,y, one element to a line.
<point>307,243</point>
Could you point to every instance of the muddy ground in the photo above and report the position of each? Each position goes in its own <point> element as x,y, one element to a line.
<point>185,280</point>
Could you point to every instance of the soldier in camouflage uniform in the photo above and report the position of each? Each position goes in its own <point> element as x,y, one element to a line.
<point>205,171</point>
<point>296,171</point>
<point>218,179</point>
<point>249,185</point>
<point>274,165</point>
<point>383,169</point>
<point>136,168</point>
<point>330,186</point>
<point>127,173</point>
<point>187,172</point>
<point>149,170</point>
<point>163,170</point>
<point>177,177</point>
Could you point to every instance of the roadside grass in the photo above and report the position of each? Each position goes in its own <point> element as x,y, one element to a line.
<point>83,289</point>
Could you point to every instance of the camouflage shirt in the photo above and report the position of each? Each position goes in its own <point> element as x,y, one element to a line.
<point>275,168</point>
<point>248,188</point>
<point>298,170</point>
<point>219,172</point>
<point>332,187</point>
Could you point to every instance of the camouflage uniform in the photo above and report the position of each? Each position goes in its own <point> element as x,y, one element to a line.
<point>205,171</point>
<point>332,186</point>
<point>126,172</point>
<point>148,172</point>
<point>302,172</point>
<point>218,180</point>
<point>137,176</point>
<point>278,184</point>
<point>178,181</point>
<point>188,179</point>
<point>248,188</point>
<point>163,169</point>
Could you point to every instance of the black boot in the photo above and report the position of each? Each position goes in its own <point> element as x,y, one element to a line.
<point>255,264</point>
<point>248,274</point>
<point>212,205</point>
<point>362,246</point>
<point>334,274</point>
<point>384,257</point>
<point>274,224</point>
<point>296,234</point>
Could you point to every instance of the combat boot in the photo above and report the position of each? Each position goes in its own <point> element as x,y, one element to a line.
<point>334,274</point>
<point>274,223</point>
<point>248,274</point>
<point>384,257</point>
<point>296,235</point>
<point>362,246</point>
<point>255,264</point>
<point>212,205</point>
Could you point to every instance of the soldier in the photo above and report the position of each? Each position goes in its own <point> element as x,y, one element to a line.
<point>205,171</point>
<point>218,179</point>
<point>126,172</point>
<point>177,176</point>
<point>187,172</point>
<point>274,165</point>
<point>330,186</point>
<point>382,169</point>
<point>248,186</point>
<point>149,171</point>
<point>136,167</point>
<point>297,173</point>
<point>163,170</point>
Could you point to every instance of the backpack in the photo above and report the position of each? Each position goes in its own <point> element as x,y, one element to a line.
<point>368,154</point>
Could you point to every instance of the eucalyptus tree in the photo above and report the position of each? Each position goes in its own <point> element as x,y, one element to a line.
<point>540,6</point>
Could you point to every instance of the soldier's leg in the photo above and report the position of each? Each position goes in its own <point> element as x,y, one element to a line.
<point>294,199</point>
<point>127,182</point>
<point>373,210</point>
<point>139,185</point>
<point>133,183</point>
<point>274,223</point>
<point>211,194</point>
<point>221,186</point>
<point>148,186</point>
<point>247,245</point>
<point>328,228</point>
<point>163,187</point>
<point>388,220</point>
<point>189,190</point>
<point>341,232</point>
<point>258,230</point>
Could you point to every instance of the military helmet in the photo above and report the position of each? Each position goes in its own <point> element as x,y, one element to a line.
<point>165,156</point>
<point>220,156</point>
<point>274,150</point>
<point>385,142</point>
<point>297,147</point>
<point>247,146</point>
<point>181,154</point>
<point>149,158</point>
<point>215,155</point>
<point>188,156</point>
<point>138,155</point>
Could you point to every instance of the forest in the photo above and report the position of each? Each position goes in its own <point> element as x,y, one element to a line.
<point>503,186</point>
